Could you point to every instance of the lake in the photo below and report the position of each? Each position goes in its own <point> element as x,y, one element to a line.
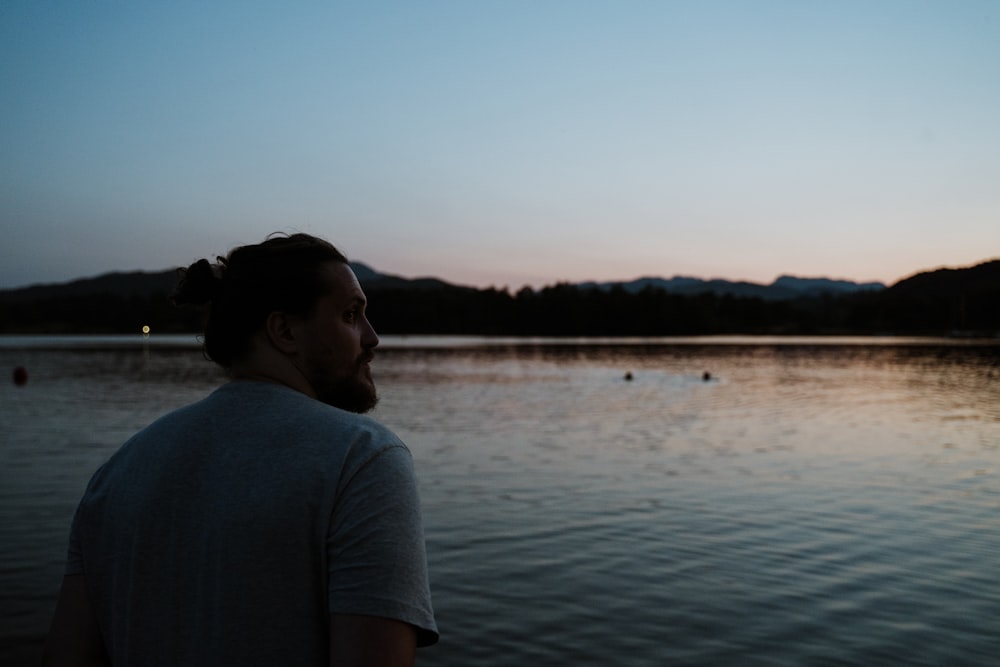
<point>812,501</point>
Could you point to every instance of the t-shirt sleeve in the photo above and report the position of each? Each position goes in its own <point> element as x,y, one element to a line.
<point>375,545</point>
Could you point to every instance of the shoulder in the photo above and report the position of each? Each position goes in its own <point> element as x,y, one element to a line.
<point>371,446</point>
<point>263,416</point>
<point>313,425</point>
<point>287,408</point>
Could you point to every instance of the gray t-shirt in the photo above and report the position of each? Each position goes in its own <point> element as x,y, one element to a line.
<point>227,531</point>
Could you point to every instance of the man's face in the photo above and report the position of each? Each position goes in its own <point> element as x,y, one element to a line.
<point>337,343</point>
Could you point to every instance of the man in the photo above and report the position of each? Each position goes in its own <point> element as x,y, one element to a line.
<point>267,524</point>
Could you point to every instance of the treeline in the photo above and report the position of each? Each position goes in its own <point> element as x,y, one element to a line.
<point>97,313</point>
<point>567,310</point>
<point>939,303</point>
<point>560,310</point>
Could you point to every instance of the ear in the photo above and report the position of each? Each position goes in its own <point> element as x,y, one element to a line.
<point>280,331</point>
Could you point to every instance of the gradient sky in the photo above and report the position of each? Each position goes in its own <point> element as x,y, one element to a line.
<point>503,143</point>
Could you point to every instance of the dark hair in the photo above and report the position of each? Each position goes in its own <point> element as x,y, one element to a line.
<point>241,290</point>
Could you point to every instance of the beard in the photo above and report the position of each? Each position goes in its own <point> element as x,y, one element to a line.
<point>354,392</point>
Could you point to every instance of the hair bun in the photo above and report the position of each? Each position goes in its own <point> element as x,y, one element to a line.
<point>199,284</point>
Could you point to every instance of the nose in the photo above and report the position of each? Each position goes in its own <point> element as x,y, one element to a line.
<point>369,339</point>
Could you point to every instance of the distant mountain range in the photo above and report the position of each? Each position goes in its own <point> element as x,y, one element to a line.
<point>372,279</point>
<point>962,301</point>
<point>785,287</point>
<point>140,283</point>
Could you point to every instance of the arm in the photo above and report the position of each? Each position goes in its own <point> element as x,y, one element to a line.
<point>376,555</point>
<point>370,641</point>
<point>75,638</point>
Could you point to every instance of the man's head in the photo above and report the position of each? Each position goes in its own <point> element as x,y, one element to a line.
<point>297,296</point>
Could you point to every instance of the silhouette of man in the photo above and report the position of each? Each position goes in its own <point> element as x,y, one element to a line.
<point>269,523</point>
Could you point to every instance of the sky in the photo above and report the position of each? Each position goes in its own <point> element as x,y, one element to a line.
<point>503,143</point>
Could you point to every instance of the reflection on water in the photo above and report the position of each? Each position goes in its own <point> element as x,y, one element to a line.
<point>830,504</point>
<point>810,504</point>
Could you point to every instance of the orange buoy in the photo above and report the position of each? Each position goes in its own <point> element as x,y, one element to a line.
<point>20,376</point>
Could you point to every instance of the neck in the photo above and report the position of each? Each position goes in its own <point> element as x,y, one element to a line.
<point>266,364</point>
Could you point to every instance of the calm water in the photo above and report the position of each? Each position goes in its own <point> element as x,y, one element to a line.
<point>813,503</point>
